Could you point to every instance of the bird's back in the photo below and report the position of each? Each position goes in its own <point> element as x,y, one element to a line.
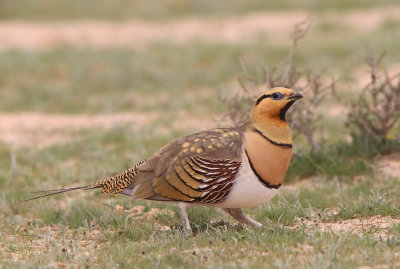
<point>198,168</point>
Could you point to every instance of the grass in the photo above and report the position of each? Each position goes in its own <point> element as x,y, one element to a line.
<point>171,9</point>
<point>80,81</point>
<point>112,239</point>
<point>80,229</point>
<point>341,159</point>
<point>327,164</point>
<point>83,229</point>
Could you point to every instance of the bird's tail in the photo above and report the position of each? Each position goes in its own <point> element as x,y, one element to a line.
<point>115,184</point>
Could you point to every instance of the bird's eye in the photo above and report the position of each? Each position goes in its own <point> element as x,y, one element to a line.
<point>277,96</point>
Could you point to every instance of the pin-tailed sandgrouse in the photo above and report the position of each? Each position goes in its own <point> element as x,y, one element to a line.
<point>228,168</point>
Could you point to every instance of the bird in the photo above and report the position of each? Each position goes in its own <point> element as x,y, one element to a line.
<point>226,168</point>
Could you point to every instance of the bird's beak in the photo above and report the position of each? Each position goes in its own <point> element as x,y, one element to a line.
<point>295,96</point>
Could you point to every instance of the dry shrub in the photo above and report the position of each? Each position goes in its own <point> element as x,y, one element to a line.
<point>376,111</point>
<point>303,119</point>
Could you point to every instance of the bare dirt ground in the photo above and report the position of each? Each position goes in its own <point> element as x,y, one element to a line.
<point>41,130</point>
<point>389,165</point>
<point>137,33</point>
<point>45,129</point>
<point>377,226</point>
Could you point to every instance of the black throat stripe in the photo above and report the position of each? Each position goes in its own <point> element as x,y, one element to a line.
<point>284,145</point>
<point>282,113</point>
<point>262,181</point>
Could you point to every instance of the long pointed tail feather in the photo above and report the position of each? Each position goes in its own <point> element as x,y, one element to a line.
<point>115,184</point>
<point>54,192</point>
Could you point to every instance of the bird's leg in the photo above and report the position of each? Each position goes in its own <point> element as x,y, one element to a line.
<point>185,219</point>
<point>237,214</point>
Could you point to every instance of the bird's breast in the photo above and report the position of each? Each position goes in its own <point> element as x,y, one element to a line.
<point>247,191</point>
<point>270,162</point>
<point>265,164</point>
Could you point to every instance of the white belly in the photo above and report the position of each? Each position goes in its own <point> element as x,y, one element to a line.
<point>247,191</point>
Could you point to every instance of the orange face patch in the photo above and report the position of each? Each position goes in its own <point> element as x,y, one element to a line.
<point>270,103</point>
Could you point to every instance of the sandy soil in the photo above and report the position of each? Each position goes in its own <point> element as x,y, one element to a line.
<point>389,165</point>
<point>38,129</point>
<point>41,130</point>
<point>137,33</point>
<point>375,225</point>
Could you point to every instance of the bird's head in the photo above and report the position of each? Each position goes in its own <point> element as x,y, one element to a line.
<point>268,115</point>
<point>273,104</point>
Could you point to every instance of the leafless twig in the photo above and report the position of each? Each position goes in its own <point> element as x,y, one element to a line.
<point>303,118</point>
<point>376,111</point>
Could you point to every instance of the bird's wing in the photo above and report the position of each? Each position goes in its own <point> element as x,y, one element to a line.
<point>199,168</point>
